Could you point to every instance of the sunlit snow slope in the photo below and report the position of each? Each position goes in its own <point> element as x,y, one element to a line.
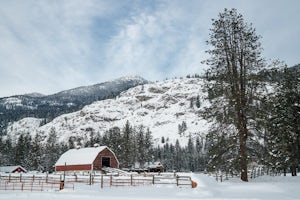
<point>161,106</point>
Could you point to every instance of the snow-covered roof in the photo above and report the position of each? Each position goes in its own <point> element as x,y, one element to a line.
<point>79,156</point>
<point>10,169</point>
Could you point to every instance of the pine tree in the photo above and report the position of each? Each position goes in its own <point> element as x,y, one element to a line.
<point>36,153</point>
<point>190,154</point>
<point>178,156</point>
<point>140,138</point>
<point>235,57</point>
<point>127,143</point>
<point>27,162</point>
<point>198,101</point>
<point>51,151</point>
<point>284,124</point>
<point>19,151</point>
<point>148,146</point>
<point>7,151</point>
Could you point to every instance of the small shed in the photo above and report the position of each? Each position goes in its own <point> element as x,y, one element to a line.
<point>155,167</point>
<point>13,169</point>
<point>86,159</point>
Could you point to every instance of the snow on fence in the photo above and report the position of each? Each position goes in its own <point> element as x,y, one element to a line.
<point>253,173</point>
<point>45,182</point>
<point>31,183</point>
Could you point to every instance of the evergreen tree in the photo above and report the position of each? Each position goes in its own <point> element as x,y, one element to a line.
<point>178,156</point>
<point>199,157</point>
<point>198,101</point>
<point>6,152</point>
<point>27,162</point>
<point>36,153</point>
<point>127,145</point>
<point>115,140</point>
<point>148,146</point>
<point>235,57</point>
<point>19,151</point>
<point>51,151</point>
<point>284,124</point>
<point>190,154</point>
<point>141,152</point>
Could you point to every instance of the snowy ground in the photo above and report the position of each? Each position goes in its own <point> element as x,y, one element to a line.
<point>260,188</point>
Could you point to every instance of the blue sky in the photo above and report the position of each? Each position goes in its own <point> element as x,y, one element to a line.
<point>49,46</point>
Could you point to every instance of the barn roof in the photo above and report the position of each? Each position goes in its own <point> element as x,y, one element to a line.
<point>10,169</point>
<point>79,156</point>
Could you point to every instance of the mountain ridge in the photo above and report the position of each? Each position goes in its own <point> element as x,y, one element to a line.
<point>16,107</point>
<point>161,106</point>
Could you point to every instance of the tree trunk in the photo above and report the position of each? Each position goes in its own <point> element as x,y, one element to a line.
<point>243,149</point>
<point>243,133</point>
<point>293,169</point>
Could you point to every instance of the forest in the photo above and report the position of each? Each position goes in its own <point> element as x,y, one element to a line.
<point>131,145</point>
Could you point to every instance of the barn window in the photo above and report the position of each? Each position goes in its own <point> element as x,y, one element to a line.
<point>105,161</point>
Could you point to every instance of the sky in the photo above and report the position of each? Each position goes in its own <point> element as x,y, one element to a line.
<point>50,46</point>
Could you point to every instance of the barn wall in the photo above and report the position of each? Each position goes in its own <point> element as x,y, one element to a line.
<point>105,153</point>
<point>73,167</point>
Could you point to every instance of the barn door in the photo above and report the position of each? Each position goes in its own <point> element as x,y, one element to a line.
<point>105,161</point>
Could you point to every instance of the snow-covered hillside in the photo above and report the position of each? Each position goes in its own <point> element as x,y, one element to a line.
<point>161,106</point>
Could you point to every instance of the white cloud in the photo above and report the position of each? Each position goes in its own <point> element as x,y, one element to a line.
<point>157,44</point>
<point>47,46</point>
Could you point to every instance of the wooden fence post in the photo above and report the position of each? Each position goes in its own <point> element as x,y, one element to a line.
<point>110,182</point>
<point>177,180</point>
<point>101,180</point>
<point>131,181</point>
<point>153,182</point>
<point>90,181</point>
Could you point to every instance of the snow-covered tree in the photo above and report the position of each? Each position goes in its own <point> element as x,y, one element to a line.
<point>284,124</point>
<point>127,142</point>
<point>235,58</point>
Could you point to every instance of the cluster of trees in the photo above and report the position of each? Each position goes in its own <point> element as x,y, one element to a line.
<point>182,158</point>
<point>251,123</point>
<point>32,153</point>
<point>132,145</point>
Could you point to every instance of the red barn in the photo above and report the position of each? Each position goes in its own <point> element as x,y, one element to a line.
<point>85,159</point>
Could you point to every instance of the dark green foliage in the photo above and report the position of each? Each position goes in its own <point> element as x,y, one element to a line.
<point>284,124</point>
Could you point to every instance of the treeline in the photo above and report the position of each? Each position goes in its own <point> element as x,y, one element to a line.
<point>133,145</point>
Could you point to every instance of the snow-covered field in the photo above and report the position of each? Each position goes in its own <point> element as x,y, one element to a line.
<point>266,187</point>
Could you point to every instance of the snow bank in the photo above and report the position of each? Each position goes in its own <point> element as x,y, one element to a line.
<point>262,188</point>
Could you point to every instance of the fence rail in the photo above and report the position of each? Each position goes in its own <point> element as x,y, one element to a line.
<point>53,182</point>
<point>30,186</point>
<point>252,173</point>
